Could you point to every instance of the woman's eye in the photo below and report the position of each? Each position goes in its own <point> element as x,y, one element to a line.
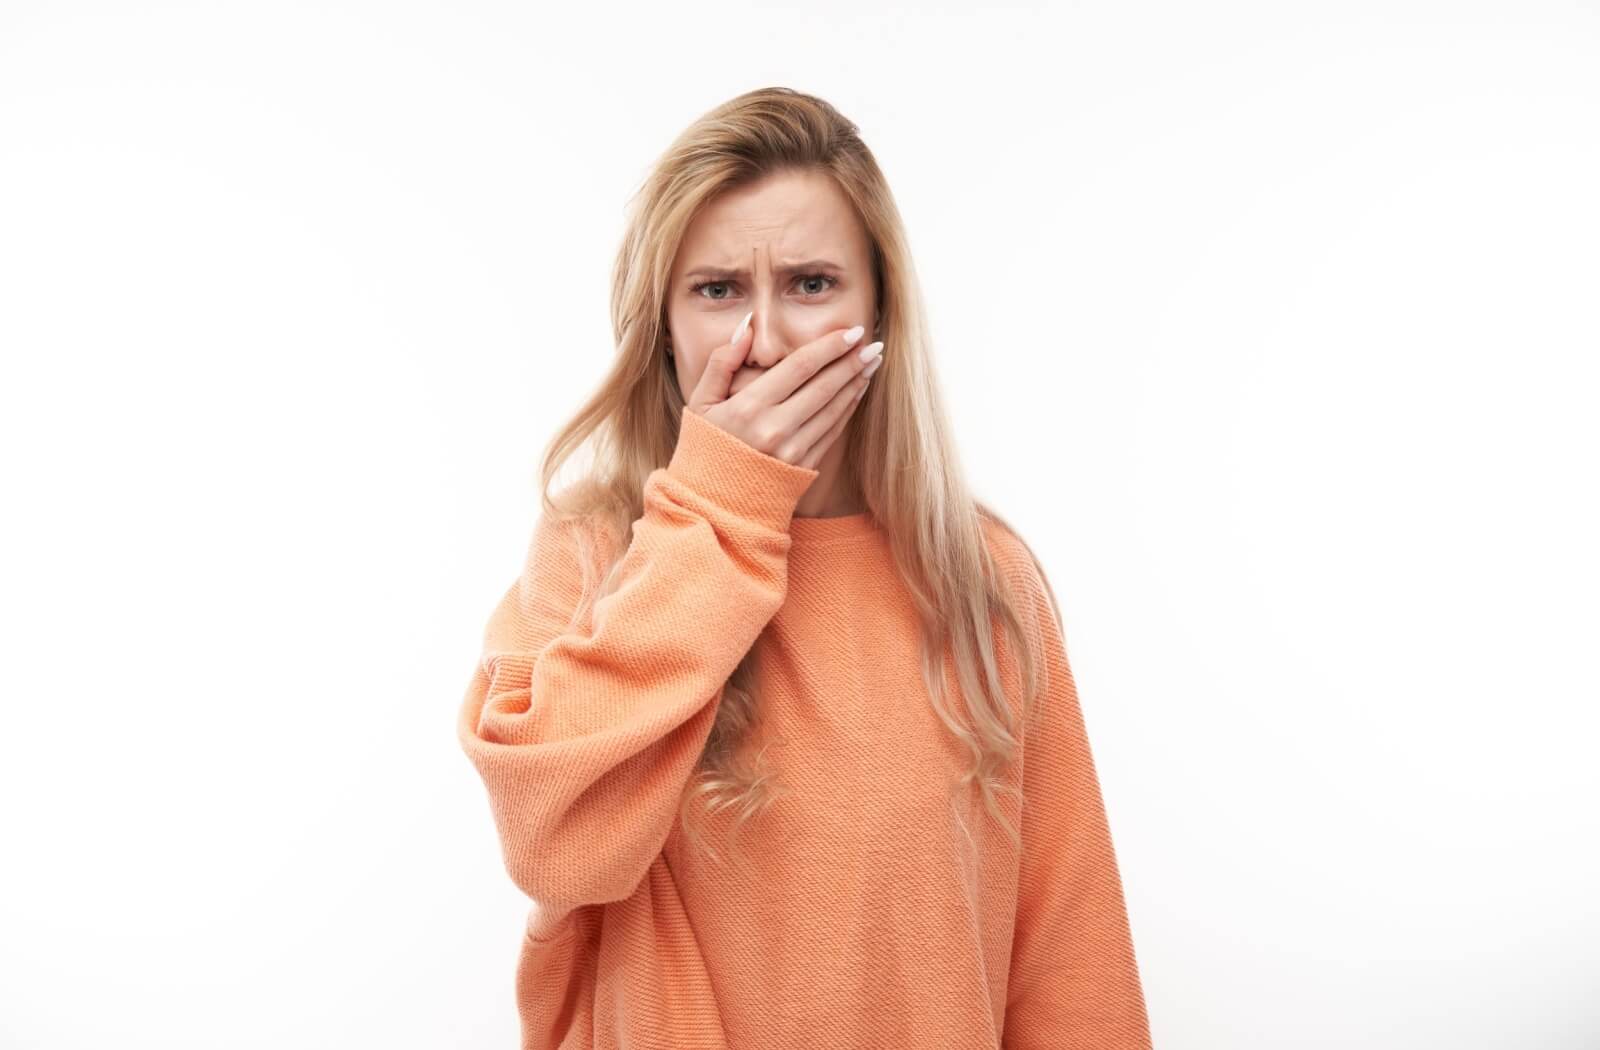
<point>803,279</point>
<point>709,284</point>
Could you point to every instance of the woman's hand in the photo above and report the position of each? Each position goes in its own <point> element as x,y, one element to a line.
<point>795,410</point>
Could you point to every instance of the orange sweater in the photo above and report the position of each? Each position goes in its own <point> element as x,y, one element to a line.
<point>866,918</point>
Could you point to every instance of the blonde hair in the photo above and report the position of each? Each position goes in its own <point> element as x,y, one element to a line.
<point>898,449</point>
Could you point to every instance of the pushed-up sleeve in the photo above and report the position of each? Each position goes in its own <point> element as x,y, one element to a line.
<point>1074,982</point>
<point>585,730</point>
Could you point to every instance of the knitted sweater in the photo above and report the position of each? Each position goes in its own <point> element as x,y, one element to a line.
<point>877,908</point>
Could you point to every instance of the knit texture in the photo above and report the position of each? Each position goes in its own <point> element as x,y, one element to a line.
<point>880,908</point>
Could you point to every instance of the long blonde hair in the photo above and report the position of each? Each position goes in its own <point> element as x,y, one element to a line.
<point>898,448</point>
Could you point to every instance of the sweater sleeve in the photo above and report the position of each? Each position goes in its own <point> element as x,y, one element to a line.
<point>1074,978</point>
<point>585,730</point>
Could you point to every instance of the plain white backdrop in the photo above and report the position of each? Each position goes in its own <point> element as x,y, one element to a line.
<point>1273,325</point>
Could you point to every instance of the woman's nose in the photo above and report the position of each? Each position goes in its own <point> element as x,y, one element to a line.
<point>768,345</point>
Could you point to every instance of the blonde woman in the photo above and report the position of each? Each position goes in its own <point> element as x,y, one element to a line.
<point>776,722</point>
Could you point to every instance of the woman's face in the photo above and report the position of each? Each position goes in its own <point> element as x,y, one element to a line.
<point>788,247</point>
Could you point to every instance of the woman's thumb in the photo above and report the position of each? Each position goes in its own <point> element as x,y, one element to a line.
<point>725,363</point>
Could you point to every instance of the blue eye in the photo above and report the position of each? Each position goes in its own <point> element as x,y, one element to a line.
<point>694,289</point>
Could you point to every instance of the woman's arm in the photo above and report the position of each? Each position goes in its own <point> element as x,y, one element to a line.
<point>585,735</point>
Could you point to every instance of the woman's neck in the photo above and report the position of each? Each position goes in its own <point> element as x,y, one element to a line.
<point>830,496</point>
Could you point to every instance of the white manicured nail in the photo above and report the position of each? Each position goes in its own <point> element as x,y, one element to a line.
<point>738,333</point>
<point>871,350</point>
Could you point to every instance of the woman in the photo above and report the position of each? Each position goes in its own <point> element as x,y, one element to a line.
<point>777,723</point>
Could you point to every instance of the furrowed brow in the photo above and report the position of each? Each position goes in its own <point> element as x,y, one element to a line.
<point>719,273</point>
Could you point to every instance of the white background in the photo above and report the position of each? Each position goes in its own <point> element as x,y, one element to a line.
<point>1273,326</point>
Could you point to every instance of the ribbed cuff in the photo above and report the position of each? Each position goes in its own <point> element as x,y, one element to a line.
<point>724,469</point>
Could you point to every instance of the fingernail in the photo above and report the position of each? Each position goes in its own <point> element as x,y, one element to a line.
<point>873,367</point>
<point>853,334</point>
<point>738,333</point>
<point>871,350</point>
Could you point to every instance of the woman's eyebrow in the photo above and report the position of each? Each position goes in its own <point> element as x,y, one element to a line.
<point>719,273</point>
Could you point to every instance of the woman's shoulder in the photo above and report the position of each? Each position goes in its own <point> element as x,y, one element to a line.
<point>1007,546</point>
<point>1021,568</point>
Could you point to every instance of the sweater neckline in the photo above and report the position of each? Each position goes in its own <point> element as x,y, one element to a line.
<point>805,531</point>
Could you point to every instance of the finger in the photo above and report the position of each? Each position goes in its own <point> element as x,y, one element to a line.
<point>823,428</point>
<point>818,393</point>
<point>743,378</point>
<point>796,369</point>
<point>796,412</point>
<point>813,457</point>
<point>720,367</point>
